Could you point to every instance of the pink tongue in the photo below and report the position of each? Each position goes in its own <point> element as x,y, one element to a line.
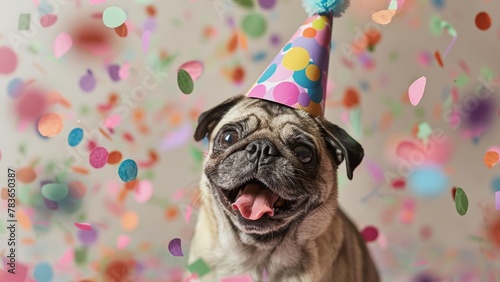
<point>255,201</point>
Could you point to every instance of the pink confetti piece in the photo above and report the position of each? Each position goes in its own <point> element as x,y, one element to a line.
<point>112,121</point>
<point>144,191</point>
<point>421,263</point>
<point>83,226</point>
<point>194,68</point>
<point>175,248</point>
<point>122,242</point>
<point>241,278</point>
<point>62,44</point>
<point>146,36</point>
<point>20,276</point>
<point>497,200</point>
<point>123,73</point>
<point>382,241</point>
<point>98,157</point>
<point>96,2</point>
<point>187,215</point>
<point>48,20</point>
<point>178,194</point>
<point>416,90</point>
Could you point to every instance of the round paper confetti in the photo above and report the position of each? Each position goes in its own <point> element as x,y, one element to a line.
<point>87,81</point>
<point>193,68</point>
<point>50,125</point>
<point>113,17</point>
<point>144,191</point>
<point>8,59</point>
<point>129,221</point>
<point>491,158</point>
<point>267,4</point>
<point>428,181</point>
<point>369,233</point>
<point>62,44</point>
<point>77,189</point>
<point>185,82</point>
<point>48,20</point>
<point>113,72</point>
<point>416,90</point>
<point>127,170</point>
<point>254,25</point>
<point>483,21</point>
<point>43,272</point>
<point>383,17</point>
<point>114,157</point>
<point>26,175</point>
<point>75,137</point>
<point>83,226</point>
<point>98,157</point>
<point>55,191</point>
<point>87,237</point>
<point>175,248</point>
<point>461,201</point>
<point>15,88</point>
<point>495,184</point>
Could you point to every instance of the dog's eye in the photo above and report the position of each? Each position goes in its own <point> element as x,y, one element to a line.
<point>303,153</point>
<point>228,138</point>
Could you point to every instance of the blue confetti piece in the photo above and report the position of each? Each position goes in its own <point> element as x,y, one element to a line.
<point>127,170</point>
<point>75,137</point>
<point>43,272</point>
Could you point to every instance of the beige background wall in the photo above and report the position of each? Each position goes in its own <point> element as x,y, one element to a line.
<point>457,250</point>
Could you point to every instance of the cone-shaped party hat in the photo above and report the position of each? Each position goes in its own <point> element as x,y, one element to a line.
<point>298,74</point>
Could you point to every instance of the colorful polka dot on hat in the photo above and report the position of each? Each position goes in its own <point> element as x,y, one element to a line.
<point>298,74</point>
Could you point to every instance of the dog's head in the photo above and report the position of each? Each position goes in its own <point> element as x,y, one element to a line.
<point>270,166</point>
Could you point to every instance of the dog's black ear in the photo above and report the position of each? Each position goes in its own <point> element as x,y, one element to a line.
<point>207,120</point>
<point>342,146</point>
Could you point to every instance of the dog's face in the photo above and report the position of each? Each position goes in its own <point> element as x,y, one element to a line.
<point>270,166</point>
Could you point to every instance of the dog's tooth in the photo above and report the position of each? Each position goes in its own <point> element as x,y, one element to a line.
<point>239,193</point>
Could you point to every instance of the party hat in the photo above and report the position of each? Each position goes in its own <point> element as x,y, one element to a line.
<point>298,74</point>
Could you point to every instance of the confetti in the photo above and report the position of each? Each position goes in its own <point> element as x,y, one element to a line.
<point>87,81</point>
<point>87,237</point>
<point>122,241</point>
<point>438,59</point>
<point>114,157</point>
<point>175,248</point>
<point>369,233</point>
<point>497,200</point>
<point>48,20</point>
<point>83,226</point>
<point>26,175</point>
<point>15,88</point>
<point>383,17</point>
<point>187,215</point>
<point>124,71</point>
<point>428,181</point>
<point>113,17</point>
<point>55,191</point>
<point>24,22</point>
<point>43,272</point>
<point>75,137</point>
<point>98,157</point>
<point>193,68</point>
<point>129,221</point>
<point>483,21</point>
<point>185,82</point>
<point>113,72</point>
<point>241,278</point>
<point>8,59</point>
<point>246,3</point>
<point>122,30</point>
<point>416,90</point>
<point>199,267</point>
<point>62,44</point>
<point>267,4</point>
<point>144,191</point>
<point>127,170</point>
<point>77,189</point>
<point>461,201</point>
<point>491,158</point>
<point>146,36</point>
<point>50,124</point>
<point>254,25</point>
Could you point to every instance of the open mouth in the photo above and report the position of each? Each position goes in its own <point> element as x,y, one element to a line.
<point>254,200</point>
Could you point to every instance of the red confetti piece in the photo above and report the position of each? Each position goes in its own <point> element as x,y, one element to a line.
<point>83,226</point>
<point>370,233</point>
<point>438,59</point>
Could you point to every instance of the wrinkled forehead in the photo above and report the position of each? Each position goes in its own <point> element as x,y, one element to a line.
<point>257,114</point>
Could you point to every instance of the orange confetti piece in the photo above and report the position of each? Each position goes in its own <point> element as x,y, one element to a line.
<point>491,158</point>
<point>129,221</point>
<point>105,134</point>
<point>26,175</point>
<point>351,98</point>
<point>121,30</point>
<point>80,170</point>
<point>233,42</point>
<point>242,40</point>
<point>114,157</point>
<point>438,58</point>
<point>122,195</point>
<point>132,185</point>
<point>27,241</point>
<point>171,213</point>
<point>5,193</point>
<point>24,220</point>
<point>50,125</point>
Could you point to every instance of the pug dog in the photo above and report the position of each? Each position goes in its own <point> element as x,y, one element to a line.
<point>269,206</point>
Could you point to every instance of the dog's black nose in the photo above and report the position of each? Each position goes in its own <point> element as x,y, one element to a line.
<point>261,151</point>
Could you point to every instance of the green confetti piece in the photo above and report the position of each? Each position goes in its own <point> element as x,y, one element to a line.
<point>461,201</point>
<point>394,106</point>
<point>462,80</point>
<point>55,191</point>
<point>199,267</point>
<point>185,82</point>
<point>435,25</point>
<point>113,17</point>
<point>24,22</point>
<point>81,256</point>
<point>254,25</point>
<point>197,154</point>
<point>424,130</point>
<point>245,3</point>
